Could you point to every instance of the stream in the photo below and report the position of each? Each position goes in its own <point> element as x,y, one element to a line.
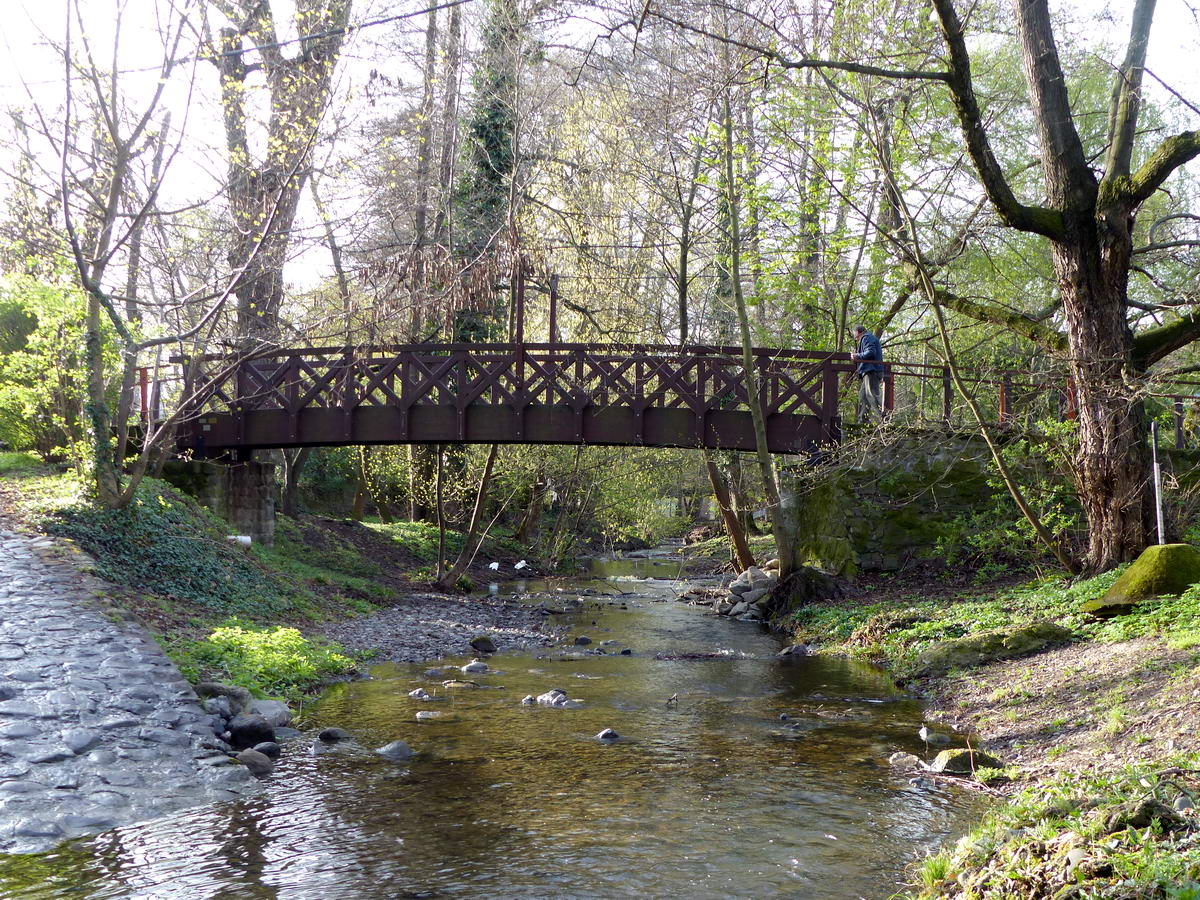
<point>712,795</point>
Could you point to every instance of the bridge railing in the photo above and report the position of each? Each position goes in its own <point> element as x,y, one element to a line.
<point>925,393</point>
<point>702,379</point>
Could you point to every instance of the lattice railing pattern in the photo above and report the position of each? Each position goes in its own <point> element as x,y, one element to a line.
<point>699,379</point>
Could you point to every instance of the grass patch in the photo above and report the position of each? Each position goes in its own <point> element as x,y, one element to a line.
<point>897,630</point>
<point>1080,835</point>
<point>18,464</point>
<point>271,660</point>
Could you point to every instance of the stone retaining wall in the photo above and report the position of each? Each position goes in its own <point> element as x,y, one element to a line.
<point>892,509</point>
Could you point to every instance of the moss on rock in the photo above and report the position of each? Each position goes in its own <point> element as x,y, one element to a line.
<point>963,762</point>
<point>976,649</point>
<point>1161,570</point>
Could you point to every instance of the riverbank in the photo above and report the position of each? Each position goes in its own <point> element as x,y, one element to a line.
<point>270,618</point>
<point>1097,726</point>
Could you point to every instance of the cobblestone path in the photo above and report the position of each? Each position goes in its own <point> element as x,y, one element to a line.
<point>97,726</point>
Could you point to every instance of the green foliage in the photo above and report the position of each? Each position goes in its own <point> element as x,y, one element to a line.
<point>1026,842</point>
<point>167,544</point>
<point>996,533</point>
<point>267,660</point>
<point>419,538</point>
<point>42,377</point>
<point>18,464</point>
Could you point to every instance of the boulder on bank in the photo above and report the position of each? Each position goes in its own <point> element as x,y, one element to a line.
<point>1161,570</point>
<point>976,649</point>
<point>902,760</point>
<point>963,762</point>
<point>276,712</point>
<point>483,644</point>
<point>247,730</point>
<point>240,699</point>
<point>269,749</point>
<point>258,763</point>
<point>396,751</point>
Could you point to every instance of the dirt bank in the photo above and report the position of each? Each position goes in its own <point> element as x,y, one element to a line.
<point>1083,707</point>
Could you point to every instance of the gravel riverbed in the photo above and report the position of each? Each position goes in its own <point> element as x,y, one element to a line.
<point>431,626</point>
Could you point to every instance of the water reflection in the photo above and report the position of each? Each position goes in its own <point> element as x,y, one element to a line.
<point>712,796</point>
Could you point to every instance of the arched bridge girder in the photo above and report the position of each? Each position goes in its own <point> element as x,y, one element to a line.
<point>512,393</point>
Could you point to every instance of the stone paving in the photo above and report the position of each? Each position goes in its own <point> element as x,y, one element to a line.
<point>97,726</point>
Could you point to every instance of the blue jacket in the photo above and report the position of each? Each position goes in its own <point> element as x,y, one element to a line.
<point>870,352</point>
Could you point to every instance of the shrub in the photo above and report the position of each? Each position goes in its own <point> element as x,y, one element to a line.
<point>266,660</point>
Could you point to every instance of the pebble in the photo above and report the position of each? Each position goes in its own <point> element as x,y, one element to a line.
<point>259,764</point>
<point>436,625</point>
<point>396,751</point>
<point>85,702</point>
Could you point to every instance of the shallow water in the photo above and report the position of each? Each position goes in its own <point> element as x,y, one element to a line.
<point>709,796</point>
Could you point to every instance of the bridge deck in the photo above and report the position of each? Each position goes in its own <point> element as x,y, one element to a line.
<point>503,393</point>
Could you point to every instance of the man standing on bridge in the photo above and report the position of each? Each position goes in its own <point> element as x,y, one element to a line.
<point>868,352</point>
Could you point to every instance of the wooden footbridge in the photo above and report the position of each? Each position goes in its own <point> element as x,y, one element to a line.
<point>570,393</point>
<point>642,395</point>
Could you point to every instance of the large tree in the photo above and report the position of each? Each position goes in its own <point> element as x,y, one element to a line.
<point>264,189</point>
<point>1088,216</point>
<point>1087,213</point>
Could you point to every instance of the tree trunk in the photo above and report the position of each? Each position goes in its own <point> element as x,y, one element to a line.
<point>527,530</point>
<point>441,518</point>
<point>1112,463</point>
<point>108,482</point>
<point>553,555</point>
<point>264,193</point>
<point>742,556</point>
<point>293,465</point>
<point>425,136</point>
<point>742,507</point>
<point>475,535</point>
<point>442,231</point>
<point>782,524</point>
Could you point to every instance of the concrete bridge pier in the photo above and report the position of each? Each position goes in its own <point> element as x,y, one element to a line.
<point>242,493</point>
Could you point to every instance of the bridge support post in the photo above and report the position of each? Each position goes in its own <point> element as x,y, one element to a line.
<point>250,500</point>
<point>243,494</point>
